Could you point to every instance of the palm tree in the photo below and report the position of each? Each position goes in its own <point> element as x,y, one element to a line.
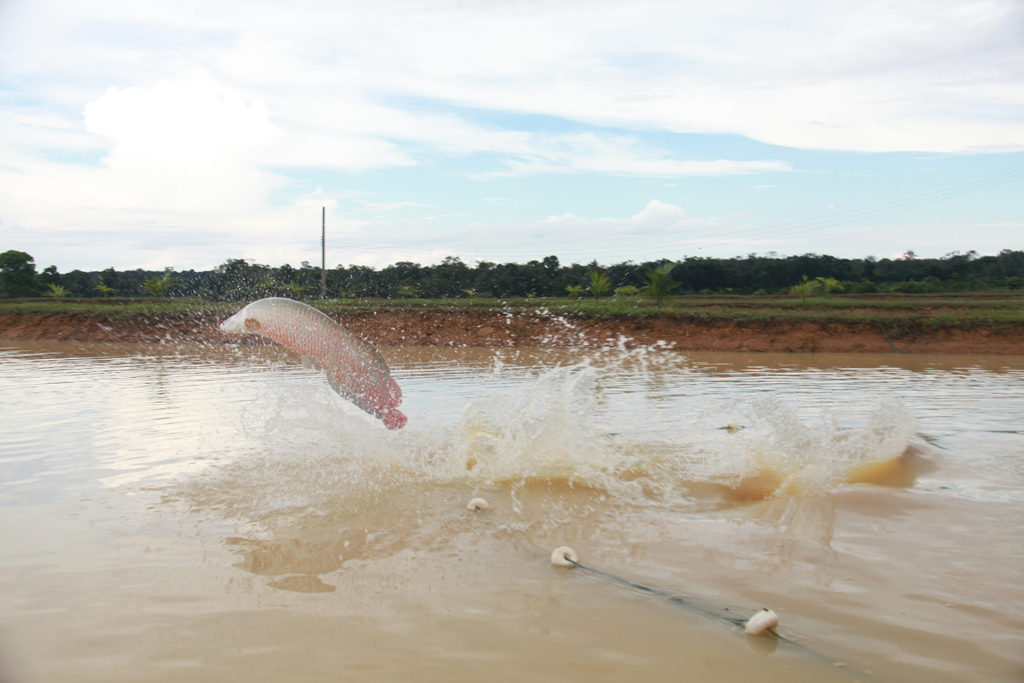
<point>55,291</point>
<point>806,288</point>
<point>600,283</point>
<point>659,282</point>
<point>829,284</point>
<point>159,286</point>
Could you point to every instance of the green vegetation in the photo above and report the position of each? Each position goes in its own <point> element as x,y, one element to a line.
<point>161,286</point>
<point>898,312</point>
<point>829,284</point>
<point>659,282</point>
<point>116,308</point>
<point>806,276</point>
<point>17,274</point>
<point>600,283</point>
<point>959,291</point>
<point>817,286</point>
<point>55,291</point>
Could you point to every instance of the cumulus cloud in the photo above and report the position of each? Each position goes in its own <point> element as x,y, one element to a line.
<point>124,114</point>
<point>317,198</point>
<point>655,217</point>
<point>188,145</point>
<point>181,123</point>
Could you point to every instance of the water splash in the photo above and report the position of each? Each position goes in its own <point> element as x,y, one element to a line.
<point>606,422</point>
<point>559,448</point>
<point>781,452</point>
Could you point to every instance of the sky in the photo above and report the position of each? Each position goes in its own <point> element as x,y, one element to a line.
<point>139,134</point>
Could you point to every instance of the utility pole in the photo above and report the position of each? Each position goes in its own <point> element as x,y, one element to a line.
<point>323,252</point>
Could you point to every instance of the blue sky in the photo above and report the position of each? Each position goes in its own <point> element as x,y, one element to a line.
<point>133,135</point>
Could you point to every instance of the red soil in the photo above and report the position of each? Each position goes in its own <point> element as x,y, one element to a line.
<point>490,330</point>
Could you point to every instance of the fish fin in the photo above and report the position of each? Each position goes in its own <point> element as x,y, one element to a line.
<point>392,418</point>
<point>333,381</point>
<point>344,391</point>
<point>370,350</point>
<point>308,363</point>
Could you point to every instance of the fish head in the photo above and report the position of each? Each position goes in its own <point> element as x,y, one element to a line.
<point>243,322</point>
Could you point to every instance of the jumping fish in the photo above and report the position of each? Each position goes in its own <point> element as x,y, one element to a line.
<point>354,369</point>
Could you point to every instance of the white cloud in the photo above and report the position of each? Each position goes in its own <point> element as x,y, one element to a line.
<point>179,145</point>
<point>177,122</point>
<point>317,198</point>
<point>632,166</point>
<point>929,75</point>
<point>620,155</point>
<point>655,217</point>
<point>658,230</point>
<point>904,76</point>
<point>204,117</point>
<point>390,206</point>
<point>25,131</point>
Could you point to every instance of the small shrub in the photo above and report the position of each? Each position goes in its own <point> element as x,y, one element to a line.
<point>600,283</point>
<point>55,291</point>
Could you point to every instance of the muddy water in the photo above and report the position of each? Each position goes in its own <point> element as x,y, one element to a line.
<point>191,513</point>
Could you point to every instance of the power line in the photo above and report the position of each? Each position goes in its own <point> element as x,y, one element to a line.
<point>516,247</point>
<point>889,204</point>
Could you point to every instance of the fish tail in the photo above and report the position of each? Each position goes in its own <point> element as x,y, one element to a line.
<point>394,419</point>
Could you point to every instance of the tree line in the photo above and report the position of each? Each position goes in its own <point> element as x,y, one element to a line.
<point>240,279</point>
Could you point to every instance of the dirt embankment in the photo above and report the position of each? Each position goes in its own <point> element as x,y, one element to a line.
<point>495,329</point>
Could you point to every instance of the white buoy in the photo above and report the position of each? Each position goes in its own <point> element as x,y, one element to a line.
<point>561,556</point>
<point>477,504</point>
<point>762,621</point>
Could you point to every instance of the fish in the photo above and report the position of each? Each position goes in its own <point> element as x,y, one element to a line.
<point>354,368</point>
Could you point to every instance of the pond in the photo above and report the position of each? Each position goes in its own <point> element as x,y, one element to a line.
<point>216,512</point>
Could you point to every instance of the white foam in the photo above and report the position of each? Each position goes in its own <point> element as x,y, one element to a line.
<point>625,424</point>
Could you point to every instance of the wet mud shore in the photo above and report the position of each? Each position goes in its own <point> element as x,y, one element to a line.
<point>459,328</point>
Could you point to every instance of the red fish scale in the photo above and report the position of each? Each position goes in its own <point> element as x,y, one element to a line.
<point>351,363</point>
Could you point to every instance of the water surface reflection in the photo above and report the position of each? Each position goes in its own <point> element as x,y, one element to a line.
<point>218,512</point>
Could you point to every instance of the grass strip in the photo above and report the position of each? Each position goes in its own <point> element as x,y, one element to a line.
<point>995,311</point>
